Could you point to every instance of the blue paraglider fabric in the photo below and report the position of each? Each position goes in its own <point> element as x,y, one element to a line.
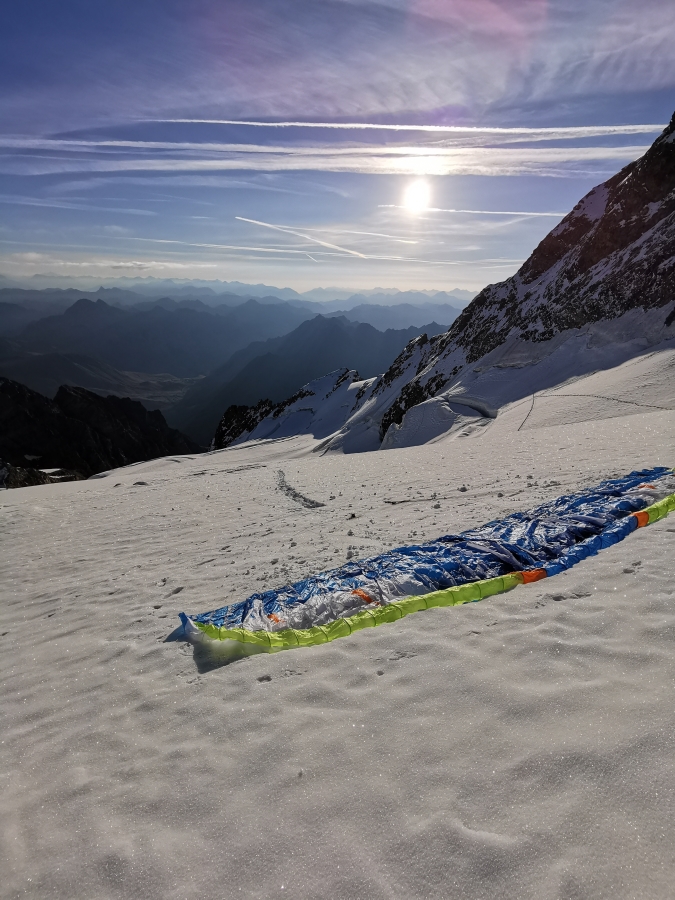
<point>551,537</point>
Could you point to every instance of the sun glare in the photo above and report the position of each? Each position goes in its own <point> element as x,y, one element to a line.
<point>417,196</point>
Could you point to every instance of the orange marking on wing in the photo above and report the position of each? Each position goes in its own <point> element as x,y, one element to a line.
<point>273,618</point>
<point>533,575</point>
<point>364,596</point>
<point>642,518</point>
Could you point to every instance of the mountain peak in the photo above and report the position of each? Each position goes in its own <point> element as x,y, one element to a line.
<point>86,307</point>
<point>613,252</point>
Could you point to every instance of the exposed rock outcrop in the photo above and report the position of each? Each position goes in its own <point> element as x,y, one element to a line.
<point>319,408</point>
<point>78,433</point>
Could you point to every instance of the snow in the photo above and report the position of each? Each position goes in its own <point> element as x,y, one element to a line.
<point>591,207</point>
<point>518,368</point>
<point>516,748</point>
<point>430,420</point>
<point>645,381</point>
<point>594,203</point>
<point>322,407</point>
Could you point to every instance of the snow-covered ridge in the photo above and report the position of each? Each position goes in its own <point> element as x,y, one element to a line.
<point>320,408</point>
<point>346,414</point>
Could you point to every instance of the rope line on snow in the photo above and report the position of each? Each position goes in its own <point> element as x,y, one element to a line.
<point>614,399</point>
<point>528,413</point>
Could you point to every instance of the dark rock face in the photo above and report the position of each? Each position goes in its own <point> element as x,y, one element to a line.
<point>80,432</point>
<point>16,476</point>
<point>412,394</point>
<point>238,420</point>
<point>615,251</point>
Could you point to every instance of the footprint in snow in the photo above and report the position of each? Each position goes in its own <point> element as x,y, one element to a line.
<point>402,654</point>
<point>572,595</point>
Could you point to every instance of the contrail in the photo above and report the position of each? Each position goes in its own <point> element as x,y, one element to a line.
<point>286,230</point>
<point>494,263</point>
<point>565,131</point>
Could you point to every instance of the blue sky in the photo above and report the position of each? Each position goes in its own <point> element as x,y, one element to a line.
<point>226,140</point>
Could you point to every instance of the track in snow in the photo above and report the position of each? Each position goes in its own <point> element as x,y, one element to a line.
<point>295,495</point>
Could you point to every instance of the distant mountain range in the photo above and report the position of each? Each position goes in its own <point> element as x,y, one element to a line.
<point>276,368</point>
<point>152,350</point>
<point>153,288</point>
<point>14,318</point>
<point>403,315</point>
<point>182,341</point>
<point>392,301</point>
<point>598,290</point>
<point>46,372</point>
<point>195,349</point>
<point>48,301</point>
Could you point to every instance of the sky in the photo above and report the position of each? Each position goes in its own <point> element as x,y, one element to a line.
<point>413,144</point>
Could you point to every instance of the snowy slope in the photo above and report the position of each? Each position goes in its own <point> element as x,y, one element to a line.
<point>517,371</point>
<point>339,407</point>
<point>520,748</point>
<point>347,414</point>
<point>319,408</point>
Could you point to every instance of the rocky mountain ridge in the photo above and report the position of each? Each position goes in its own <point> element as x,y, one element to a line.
<point>278,368</point>
<point>79,433</point>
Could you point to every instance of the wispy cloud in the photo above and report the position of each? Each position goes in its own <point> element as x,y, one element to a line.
<point>40,260</point>
<point>391,237</point>
<point>453,135</point>
<point>253,60</point>
<point>482,212</point>
<point>407,159</point>
<point>220,182</point>
<point>334,252</point>
<point>285,229</point>
<point>212,95</point>
<point>80,207</point>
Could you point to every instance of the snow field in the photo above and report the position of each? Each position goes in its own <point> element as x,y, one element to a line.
<point>516,748</point>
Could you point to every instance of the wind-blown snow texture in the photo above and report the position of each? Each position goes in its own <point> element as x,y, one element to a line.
<point>520,748</point>
<point>598,290</point>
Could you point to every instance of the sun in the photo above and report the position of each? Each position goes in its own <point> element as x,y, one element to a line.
<point>417,196</point>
